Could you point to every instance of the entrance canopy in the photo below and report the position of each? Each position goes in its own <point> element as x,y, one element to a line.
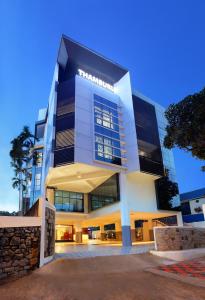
<point>77,177</point>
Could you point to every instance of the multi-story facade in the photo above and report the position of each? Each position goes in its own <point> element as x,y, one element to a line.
<point>101,149</point>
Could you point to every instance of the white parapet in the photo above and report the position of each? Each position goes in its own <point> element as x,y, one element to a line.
<point>14,221</point>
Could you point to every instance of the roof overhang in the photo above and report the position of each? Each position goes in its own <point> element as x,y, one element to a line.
<point>79,56</point>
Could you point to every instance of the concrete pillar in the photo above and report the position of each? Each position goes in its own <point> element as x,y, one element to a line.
<point>102,233</point>
<point>146,232</point>
<point>179,219</point>
<point>50,195</point>
<point>78,233</point>
<point>151,233</point>
<point>133,232</point>
<point>125,213</point>
<point>118,231</point>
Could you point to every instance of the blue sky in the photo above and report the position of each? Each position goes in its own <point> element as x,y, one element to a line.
<point>161,43</point>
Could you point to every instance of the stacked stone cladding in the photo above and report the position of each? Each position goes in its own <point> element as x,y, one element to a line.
<point>179,238</point>
<point>49,249</point>
<point>19,251</point>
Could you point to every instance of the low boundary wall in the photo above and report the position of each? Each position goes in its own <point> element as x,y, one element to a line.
<point>19,246</point>
<point>172,238</point>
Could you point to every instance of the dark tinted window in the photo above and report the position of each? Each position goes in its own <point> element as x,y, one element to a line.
<point>148,137</point>
<point>65,123</point>
<point>185,206</point>
<point>105,194</point>
<point>109,227</point>
<point>63,156</point>
<point>40,130</point>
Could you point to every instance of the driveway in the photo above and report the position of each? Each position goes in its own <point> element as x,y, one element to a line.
<point>74,251</point>
<point>101,278</point>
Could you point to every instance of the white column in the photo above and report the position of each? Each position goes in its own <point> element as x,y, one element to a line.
<point>78,233</point>
<point>179,219</point>
<point>102,232</point>
<point>125,212</point>
<point>146,232</point>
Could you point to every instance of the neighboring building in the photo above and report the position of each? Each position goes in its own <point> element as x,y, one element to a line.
<point>101,151</point>
<point>192,207</point>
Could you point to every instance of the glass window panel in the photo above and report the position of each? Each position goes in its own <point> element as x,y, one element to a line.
<point>58,193</point>
<point>68,201</point>
<point>107,141</point>
<point>65,194</point>
<point>100,148</point>
<point>79,196</point>
<point>72,195</point>
<point>72,204</point>
<point>58,200</point>
<point>108,152</point>
<point>79,205</point>
<point>99,139</point>
<point>116,152</point>
<point>99,121</point>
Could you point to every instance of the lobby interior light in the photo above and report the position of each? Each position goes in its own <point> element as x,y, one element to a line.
<point>79,175</point>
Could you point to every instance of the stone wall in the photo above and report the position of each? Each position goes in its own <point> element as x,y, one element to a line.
<point>49,249</point>
<point>19,251</point>
<point>178,238</point>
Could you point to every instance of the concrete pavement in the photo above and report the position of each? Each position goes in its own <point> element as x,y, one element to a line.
<point>107,278</point>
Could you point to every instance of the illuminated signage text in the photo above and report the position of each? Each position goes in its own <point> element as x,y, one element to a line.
<point>96,80</point>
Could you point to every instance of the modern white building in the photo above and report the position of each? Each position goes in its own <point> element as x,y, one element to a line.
<point>100,152</point>
<point>193,207</point>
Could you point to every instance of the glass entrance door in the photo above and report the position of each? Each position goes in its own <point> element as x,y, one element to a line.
<point>64,233</point>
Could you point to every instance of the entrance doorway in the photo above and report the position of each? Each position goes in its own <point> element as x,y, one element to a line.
<point>64,233</point>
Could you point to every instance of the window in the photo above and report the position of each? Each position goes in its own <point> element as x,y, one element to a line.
<point>109,227</point>
<point>39,159</point>
<point>105,194</point>
<point>150,155</point>
<point>38,181</point>
<point>69,201</point>
<point>107,137</point>
<point>40,131</point>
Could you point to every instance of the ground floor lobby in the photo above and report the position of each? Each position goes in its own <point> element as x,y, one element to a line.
<point>108,229</point>
<point>97,248</point>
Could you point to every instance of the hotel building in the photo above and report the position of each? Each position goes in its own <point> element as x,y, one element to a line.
<point>100,152</point>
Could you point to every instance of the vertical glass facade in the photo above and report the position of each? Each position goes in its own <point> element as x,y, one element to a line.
<point>65,123</point>
<point>107,133</point>
<point>150,155</point>
<point>35,189</point>
<point>168,158</point>
<point>105,194</point>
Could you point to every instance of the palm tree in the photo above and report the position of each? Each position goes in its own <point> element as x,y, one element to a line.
<point>16,183</point>
<point>21,154</point>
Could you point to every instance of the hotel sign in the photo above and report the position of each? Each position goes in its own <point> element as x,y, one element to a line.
<point>96,80</point>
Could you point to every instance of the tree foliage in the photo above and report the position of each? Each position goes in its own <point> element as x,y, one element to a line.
<point>186,125</point>
<point>166,190</point>
<point>7,213</point>
<point>21,153</point>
